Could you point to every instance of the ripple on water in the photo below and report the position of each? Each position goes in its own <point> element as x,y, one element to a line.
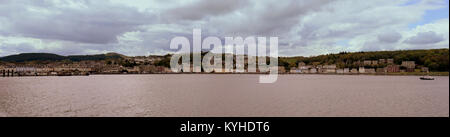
<point>224,95</point>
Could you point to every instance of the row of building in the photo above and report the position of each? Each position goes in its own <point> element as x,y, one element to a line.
<point>77,68</point>
<point>390,67</point>
<point>146,65</point>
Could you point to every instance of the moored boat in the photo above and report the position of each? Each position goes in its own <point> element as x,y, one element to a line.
<point>426,78</point>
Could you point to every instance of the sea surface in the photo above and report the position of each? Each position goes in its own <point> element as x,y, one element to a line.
<point>235,95</point>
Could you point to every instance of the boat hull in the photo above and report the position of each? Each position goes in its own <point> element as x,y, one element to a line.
<point>426,78</point>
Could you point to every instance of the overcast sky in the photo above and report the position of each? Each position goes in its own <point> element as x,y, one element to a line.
<point>144,27</point>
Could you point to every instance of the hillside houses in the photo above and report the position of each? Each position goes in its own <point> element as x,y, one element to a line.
<point>409,65</point>
<point>363,67</point>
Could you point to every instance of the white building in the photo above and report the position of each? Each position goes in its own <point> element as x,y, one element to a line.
<point>362,70</point>
<point>313,70</point>
<point>346,70</point>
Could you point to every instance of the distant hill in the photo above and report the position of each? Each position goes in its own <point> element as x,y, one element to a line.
<point>96,57</point>
<point>24,57</point>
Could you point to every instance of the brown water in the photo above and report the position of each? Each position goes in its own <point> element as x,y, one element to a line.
<point>223,95</point>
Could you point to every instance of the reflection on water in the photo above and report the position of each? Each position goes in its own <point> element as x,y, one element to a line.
<point>223,95</point>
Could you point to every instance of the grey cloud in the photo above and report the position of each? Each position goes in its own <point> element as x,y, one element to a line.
<point>299,24</point>
<point>152,42</point>
<point>65,49</point>
<point>98,23</point>
<point>429,37</point>
<point>389,37</point>
<point>274,17</point>
<point>204,8</point>
<point>356,17</point>
<point>373,46</point>
<point>17,48</point>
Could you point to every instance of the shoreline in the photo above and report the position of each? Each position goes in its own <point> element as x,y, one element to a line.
<point>365,74</point>
<point>375,74</point>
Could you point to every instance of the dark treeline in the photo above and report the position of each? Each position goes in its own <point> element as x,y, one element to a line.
<point>25,57</point>
<point>435,59</point>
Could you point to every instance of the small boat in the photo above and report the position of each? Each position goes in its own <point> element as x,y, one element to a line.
<point>426,78</point>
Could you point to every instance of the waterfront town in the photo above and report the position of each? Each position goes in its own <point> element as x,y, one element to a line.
<point>139,65</point>
<point>404,62</point>
<point>150,65</point>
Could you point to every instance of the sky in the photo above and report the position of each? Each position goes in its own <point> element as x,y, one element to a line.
<point>145,27</point>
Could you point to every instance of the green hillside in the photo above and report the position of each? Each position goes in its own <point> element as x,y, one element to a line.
<point>435,59</point>
<point>32,57</point>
